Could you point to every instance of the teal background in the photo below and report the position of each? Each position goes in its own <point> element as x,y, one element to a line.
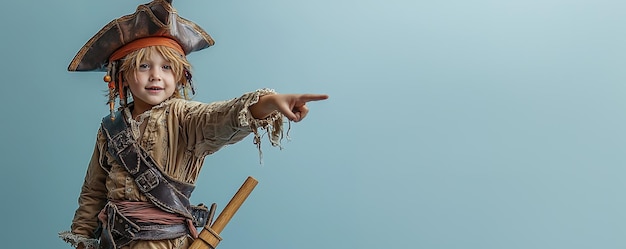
<point>450,124</point>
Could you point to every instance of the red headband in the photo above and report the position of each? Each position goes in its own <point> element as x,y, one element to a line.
<point>146,42</point>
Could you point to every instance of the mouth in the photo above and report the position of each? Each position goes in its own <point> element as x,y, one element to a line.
<point>154,88</point>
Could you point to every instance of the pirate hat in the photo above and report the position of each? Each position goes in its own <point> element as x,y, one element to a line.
<point>157,18</point>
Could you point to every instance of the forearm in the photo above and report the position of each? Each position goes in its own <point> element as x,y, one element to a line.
<point>264,107</point>
<point>93,195</point>
<point>91,200</point>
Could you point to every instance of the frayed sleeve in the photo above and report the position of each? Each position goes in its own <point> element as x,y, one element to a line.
<point>272,125</point>
<point>208,127</point>
<point>75,239</point>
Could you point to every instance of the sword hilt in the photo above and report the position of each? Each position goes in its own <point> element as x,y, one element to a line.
<point>210,235</point>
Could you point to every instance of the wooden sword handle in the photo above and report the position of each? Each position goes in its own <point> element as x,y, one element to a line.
<point>209,236</point>
<point>234,204</point>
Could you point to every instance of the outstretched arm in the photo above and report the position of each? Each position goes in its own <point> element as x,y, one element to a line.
<point>293,106</point>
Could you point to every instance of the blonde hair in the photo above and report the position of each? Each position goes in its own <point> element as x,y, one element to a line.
<point>180,67</point>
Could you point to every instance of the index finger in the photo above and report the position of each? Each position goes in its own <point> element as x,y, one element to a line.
<point>313,97</point>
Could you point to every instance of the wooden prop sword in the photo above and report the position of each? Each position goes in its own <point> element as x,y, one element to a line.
<point>209,237</point>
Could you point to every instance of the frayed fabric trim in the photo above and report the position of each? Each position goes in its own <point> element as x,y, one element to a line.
<point>75,239</point>
<point>273,124</point>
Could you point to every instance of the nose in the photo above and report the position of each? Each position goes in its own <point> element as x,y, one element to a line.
<point>155,74</point>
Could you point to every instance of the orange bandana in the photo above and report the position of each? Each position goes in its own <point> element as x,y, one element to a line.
<point>146,42</point>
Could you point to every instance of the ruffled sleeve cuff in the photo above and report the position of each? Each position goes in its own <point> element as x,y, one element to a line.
<point>75,239</point>
<point>273,124</point>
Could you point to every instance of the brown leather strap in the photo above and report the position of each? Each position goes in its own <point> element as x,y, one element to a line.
<point>166,193</point>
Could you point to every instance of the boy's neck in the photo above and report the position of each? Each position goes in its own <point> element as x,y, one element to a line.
<point>137,110</point>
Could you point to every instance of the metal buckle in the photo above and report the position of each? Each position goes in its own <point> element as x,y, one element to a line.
<point>122,140</point>
<point>147,180</point>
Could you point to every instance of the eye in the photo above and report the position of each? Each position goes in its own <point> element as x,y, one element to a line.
<point>167,67</point>
<point>144,67</point>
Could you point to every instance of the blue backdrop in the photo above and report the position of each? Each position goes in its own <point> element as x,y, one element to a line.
<point>450,124</point>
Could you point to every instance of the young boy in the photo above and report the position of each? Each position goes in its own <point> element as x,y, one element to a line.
<point>149,153</point>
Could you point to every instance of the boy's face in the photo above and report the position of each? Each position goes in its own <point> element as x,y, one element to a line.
<point>154,82</point>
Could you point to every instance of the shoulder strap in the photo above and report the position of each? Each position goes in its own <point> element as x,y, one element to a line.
<point>163,191</point>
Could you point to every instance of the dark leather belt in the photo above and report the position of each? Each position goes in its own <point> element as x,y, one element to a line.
<point>120,231</point>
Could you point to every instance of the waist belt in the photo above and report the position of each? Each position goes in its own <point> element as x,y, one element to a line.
<point>119,230</point>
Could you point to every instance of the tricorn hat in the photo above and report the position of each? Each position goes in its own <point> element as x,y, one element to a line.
<point>157,18</point>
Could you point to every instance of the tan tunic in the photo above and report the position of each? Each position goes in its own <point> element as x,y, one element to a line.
<point>178,134</point>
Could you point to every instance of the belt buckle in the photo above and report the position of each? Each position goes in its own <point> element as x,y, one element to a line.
<point>147,180</point>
